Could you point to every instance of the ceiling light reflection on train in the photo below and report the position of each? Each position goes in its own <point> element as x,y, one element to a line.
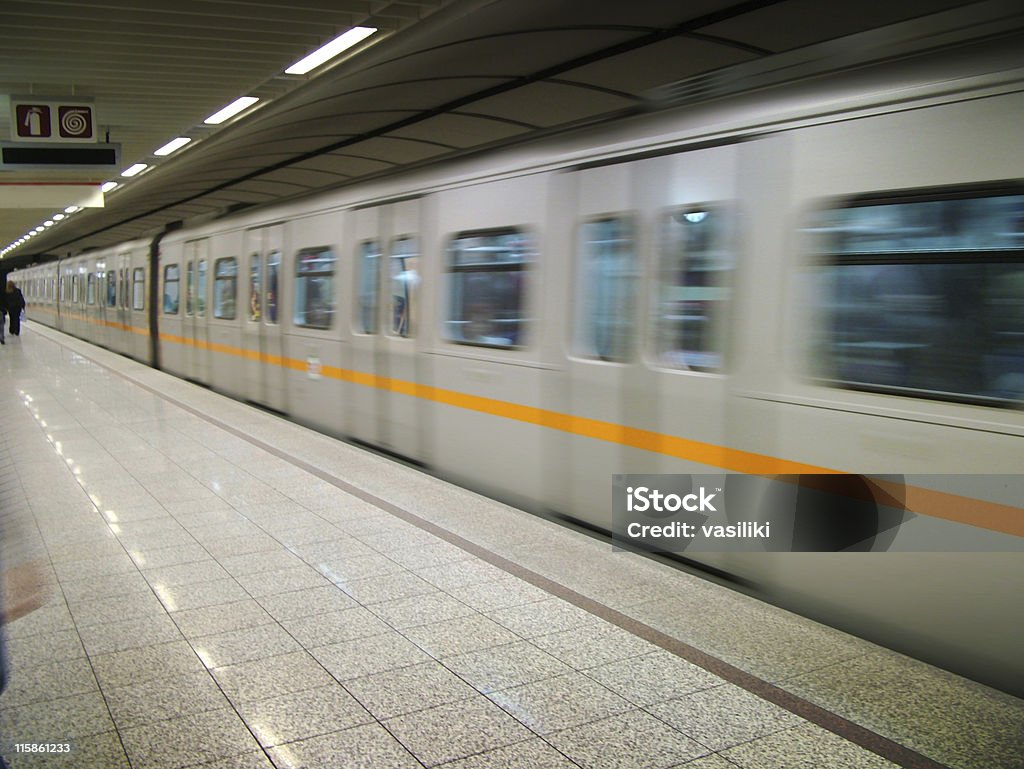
<point>328,51</point>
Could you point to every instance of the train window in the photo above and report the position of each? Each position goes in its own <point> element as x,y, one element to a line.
<point>111,289</point>
<point>922,297</point>
<point>225,287</point>
<point>90,291</point>
<point>405,277</point>
<point>486,288</point>
<point>201,289</point>
<point>694,286</point>
<point>369,285</point>
<point>139,289</point>
<point>190,287</point>
<point>172,278</point>
<point>270,289</point>
<point>255,290</point>
<point>606,289</point>
<point>74,289</point>
<point>314,287</point>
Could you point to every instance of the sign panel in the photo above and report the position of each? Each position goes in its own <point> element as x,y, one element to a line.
<point>35,119</point>
<point>20,156</point>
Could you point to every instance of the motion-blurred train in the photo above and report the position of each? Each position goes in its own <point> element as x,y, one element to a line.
<point>821,277</point>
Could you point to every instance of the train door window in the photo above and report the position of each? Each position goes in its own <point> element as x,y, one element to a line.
<point>404,269</point>
<point>255,289</point>
<point>694,286</point>
<point>606,288</point>
<point>201,289</point>
<point>369,285</point>
<point>74,289</point>
<point>225,287</point>
<point>90,290</point>
<point>314,288</point>
<point>111,289</point>
<point>190,287</point>
<point>271,288</point>
<point>139,289</point>
<point>172,288</point>
<point>486,288</point>
<point>921,295</point>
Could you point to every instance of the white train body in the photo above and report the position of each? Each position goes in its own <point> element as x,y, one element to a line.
<point>575,370</point>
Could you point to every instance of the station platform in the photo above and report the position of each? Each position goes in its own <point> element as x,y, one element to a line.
<point>233,591</point>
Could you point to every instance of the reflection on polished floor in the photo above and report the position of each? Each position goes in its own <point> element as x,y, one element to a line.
<point>229,590</point>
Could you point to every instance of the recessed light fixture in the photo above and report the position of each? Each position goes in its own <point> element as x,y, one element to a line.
<point>239,104</point>
<point>328,51</point>
<point>71,209</point>
<point>172,146</point>
<point>135,169</point>
<point>107,186</point>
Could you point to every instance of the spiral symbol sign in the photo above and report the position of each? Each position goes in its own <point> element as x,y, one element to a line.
<point>75,122</point>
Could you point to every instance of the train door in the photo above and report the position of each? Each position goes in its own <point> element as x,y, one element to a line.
<point>387,269</point>
<point>108,317</point>
<point>134,304</point>
<point>118,302</point>
<point>262,326</point>
<point>94,315</point>
<point>652,258</point>
<point>195,332</point>
<point>252,317</point>
<point>603,320</point>
<point>694,212</point>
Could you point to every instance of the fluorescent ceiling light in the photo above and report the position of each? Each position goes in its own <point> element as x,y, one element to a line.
<point>135,169</point>
<point>339,44</point>
<point>231,110</point>
<point>172,145</point>
<point>71,209</point>
<point>107,186</point>
<point>49,223</point>
<point>58,217</point>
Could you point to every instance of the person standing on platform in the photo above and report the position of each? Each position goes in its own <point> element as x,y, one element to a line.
<point>15,302</point>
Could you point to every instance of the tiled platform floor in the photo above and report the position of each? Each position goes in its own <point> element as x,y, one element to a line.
<point>214,603</point>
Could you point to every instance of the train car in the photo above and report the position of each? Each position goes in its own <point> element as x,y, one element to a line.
<point>826,277</point>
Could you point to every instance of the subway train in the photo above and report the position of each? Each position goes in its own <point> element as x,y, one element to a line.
<point>819,279</point>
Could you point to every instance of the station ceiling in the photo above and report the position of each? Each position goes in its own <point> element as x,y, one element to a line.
<point>441,77</point>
